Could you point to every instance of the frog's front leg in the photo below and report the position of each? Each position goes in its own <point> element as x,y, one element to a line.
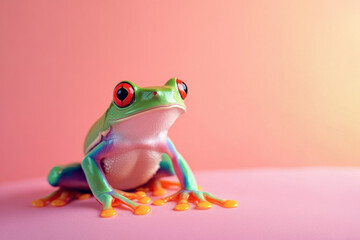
<point>189,189</point>
<point>100,186</point>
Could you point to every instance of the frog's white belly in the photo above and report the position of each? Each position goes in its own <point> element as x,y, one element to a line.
<point>131,169</point>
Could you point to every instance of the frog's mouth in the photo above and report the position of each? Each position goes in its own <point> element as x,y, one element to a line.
<point>149,122</point>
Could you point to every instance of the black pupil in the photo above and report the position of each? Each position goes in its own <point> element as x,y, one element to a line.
<point>184,87</point>
<point>122,93</point>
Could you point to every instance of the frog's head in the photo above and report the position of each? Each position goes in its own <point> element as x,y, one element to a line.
<point>154,104</point>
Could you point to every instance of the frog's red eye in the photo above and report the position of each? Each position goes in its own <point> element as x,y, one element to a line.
<point>123,94</point>
<point>183,90</point>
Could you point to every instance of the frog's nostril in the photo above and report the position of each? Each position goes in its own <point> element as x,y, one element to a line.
<point>155,93</point>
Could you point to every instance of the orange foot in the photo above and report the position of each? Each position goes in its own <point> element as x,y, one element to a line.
<point>60,198</point>
<point>157,187</point>
<point>203,200</point>
<point>140,196</point>
<point>138,210</point>
<point>118,197</point>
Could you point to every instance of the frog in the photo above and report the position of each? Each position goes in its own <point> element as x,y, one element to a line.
<point>128,152</point>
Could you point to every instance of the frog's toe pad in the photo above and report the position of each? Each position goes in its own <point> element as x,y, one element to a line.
<point>182,207</point>
<point>159,192</point>
<point>108,213</point>
<point>38,203</point>
<point>84,196</point>
<point>140,194</point>
<point>142,210</point>
<point>159,202</point>
<point>230,204</point>
<point>144,200</point>
<point>58,203</point>
<point>204,205</point>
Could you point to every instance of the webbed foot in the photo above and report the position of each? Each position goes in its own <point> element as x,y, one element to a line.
<point>60,197</point>
<point>157,187</point>
<point>117,197</point>
<point>203,200</point>
<point>140,196</point>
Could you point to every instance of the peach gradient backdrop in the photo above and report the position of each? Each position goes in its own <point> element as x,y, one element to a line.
<point>271,83</point>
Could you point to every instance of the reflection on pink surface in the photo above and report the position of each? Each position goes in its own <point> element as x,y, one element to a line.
<point>311,204</point>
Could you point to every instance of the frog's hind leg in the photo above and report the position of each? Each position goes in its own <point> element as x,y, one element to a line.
<point>157,186</point>
<point>72,185</point>
<point>60,197</point>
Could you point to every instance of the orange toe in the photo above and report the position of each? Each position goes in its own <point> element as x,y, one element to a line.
<point>204,205</point>
<point>230,204</point>
<point>145,200</point>
<point>159,202</point>
<point>108,213</point>
<point>182,207</point>
<point>38,203</point>
<point>142,210</point>
<point>159,192</point>
<point>84,196</point>
<point>58,203</point>
<point>140,194</point>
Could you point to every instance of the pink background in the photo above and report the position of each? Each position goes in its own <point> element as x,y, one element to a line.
<point>271,83</point>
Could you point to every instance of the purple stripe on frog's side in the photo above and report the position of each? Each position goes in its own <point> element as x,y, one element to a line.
<point>68,176</point>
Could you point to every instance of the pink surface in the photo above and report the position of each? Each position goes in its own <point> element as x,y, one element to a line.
<point>268,81</point>
<point>273,204</point>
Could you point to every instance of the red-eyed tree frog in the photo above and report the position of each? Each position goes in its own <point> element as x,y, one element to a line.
<point>127,148</point>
